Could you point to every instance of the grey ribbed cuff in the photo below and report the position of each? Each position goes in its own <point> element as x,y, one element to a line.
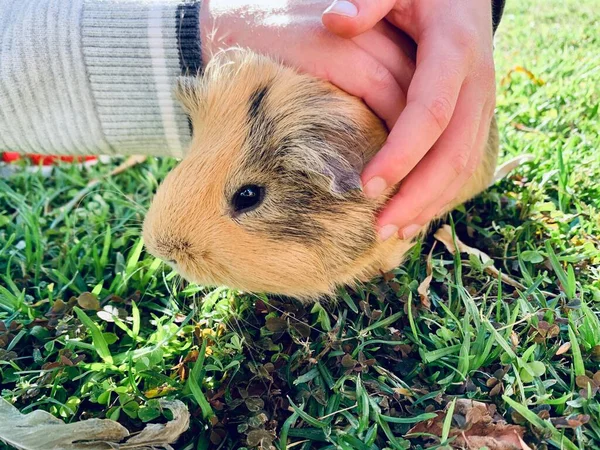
<point>95,77</point>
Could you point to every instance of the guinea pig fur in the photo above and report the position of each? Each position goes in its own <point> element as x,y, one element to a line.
<point>268,196</point>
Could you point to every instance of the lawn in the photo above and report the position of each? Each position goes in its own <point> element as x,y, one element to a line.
<point>93,327</point>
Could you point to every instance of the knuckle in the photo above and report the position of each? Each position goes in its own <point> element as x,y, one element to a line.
<point>440,110</point>
<point>381,78</point>
<point>471,166</point>
<point>465,40</point>
<point>491,111</point>
<point>488,71</point>
<point>459,163</point>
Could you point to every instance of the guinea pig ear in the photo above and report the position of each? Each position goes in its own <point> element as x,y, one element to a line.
<point>342,174</point>
<point>187,92</point>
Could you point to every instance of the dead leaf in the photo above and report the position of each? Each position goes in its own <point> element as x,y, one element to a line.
<point>563,348</point>
<point>276,324</point>
<point>524,446</point>
<point>444,235</point>
<point>589,386</point>
<point>40,430</point>
<point>510,165</point>
<point>258,437</point>
<point>525,128</point>
<point>514,339</point>
<point>573,421</point>
<point>520,69</point>
<point>423,288</point>
<point>480,429</point>
<point>87,300</point>
<point>348,362</point>
<point>159,434</point>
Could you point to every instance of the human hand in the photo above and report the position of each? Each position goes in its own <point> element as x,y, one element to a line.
<point>439,139</point>
<point>376,66</point>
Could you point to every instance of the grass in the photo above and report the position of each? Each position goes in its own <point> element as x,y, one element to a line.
<point>92,326</point>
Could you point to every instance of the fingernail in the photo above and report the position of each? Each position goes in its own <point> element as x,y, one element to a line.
<point>343,8</point>
<point>387,232</point>
<point>375,187</point>
<point>410,231</point>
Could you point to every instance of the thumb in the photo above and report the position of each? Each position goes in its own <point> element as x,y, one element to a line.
<point>350,18</point>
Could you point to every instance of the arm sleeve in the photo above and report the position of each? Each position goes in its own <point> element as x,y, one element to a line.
<point>497,11</point>
<point>96,77</point>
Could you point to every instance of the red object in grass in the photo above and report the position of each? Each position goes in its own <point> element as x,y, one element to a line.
<point>10,157</point>
<point>46,160</point>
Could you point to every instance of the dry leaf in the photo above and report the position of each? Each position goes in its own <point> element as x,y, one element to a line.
<point>510,165</point>
<point>423,288</point>
<point>563,348</point>
<point>573,421</point>
<point>159,434</point>
<point>481,429</point>
<point>524,446</point>
<point>444,235</point>
<point>40,430</point>
<point>520,69</point>
<point>525,128</point>
<point>88,300</point>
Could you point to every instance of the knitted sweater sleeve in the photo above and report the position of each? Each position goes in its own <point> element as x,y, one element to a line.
<point>497,11</point>
<point>95,77</point>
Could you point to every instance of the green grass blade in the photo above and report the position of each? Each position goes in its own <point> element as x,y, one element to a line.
<point>100,344</point>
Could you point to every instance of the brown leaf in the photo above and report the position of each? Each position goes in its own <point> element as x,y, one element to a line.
<point>481,428</point>
<point>444,235</point>
<point>39,430</point>
<point>524,446</point>
<point>276,324</point>
<point>573,421</point>
<point>66,361</point>
<point>492,381</point>
<point>520,69</point>
<point>514,339</point>
<point>596,353</point>
<point>423,288</point>
<point>388,276</point>
<point>87,300</point>
<point>543,414</point>
<point>563,348</point>
<point>348,362</point>
<point>301,328</point>
<point>582,381</point>
<point>497,390</point>
<point>258,437</point>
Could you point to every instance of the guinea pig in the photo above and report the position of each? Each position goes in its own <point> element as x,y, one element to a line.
<point>268,197</point>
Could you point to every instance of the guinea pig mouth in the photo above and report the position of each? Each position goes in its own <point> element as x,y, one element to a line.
<point>202,271</point>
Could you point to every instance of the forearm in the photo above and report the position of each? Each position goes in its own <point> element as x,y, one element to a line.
<point>90,77</point>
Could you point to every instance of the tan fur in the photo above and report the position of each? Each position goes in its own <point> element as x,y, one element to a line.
<point>190,219</point>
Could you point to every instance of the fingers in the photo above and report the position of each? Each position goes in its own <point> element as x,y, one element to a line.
<point>384,48</point>
<point>442,172</point>
<point>453,194</point>
<point>432,98</point>
<point>351,18</point>
<point>360,74</point>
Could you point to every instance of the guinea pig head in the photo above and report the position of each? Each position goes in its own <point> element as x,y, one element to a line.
<point>268,198</point>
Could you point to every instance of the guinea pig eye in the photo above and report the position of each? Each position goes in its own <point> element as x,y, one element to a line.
<point>247,198</point>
